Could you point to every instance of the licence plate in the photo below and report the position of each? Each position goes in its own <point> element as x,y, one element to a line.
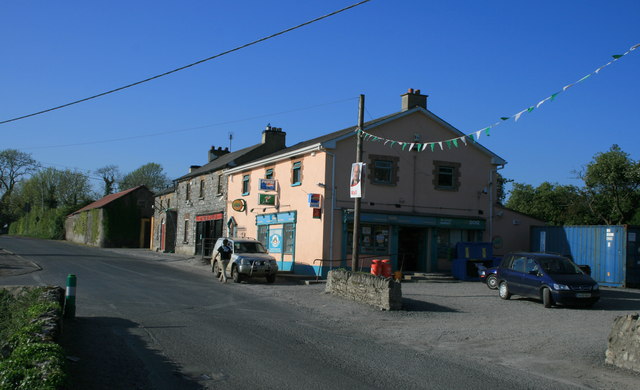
<point>583,295</point>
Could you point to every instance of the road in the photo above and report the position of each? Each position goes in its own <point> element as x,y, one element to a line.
<point>148,324</point>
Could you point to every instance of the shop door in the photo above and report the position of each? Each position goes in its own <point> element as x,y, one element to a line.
<point>411,249</point>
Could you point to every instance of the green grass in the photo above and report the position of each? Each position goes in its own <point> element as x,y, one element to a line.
<point>27,359</point>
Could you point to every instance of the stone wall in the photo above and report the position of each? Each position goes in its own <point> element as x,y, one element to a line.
<point>377,291</point>
<point>624,343</point>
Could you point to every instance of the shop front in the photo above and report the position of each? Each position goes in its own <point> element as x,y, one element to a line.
<point>277,232</point>
<point>413,243</point>
<point>208,230</point>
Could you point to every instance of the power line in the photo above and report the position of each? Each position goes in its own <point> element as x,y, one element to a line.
<point>187,66</point>
<point>188,128</point>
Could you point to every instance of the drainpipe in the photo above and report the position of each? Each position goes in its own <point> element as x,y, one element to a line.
<point>493,169</point>
<point>333,206</point>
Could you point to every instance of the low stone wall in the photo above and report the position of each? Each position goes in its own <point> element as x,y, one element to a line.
<point>624,343</point>
<point>377,291</point>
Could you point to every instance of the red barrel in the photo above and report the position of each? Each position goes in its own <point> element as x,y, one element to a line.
<point>376,267</point>
<point>386,268</point>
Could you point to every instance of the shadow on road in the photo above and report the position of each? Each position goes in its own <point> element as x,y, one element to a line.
<point>409,304</point>
<point>105,354</point>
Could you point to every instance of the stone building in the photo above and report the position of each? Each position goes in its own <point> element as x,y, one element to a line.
<point>122,219</point>
<point>200,197</point>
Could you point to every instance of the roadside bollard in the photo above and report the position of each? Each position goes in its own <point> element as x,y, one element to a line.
<point>70,297</point>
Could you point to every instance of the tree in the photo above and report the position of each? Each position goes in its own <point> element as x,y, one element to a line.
<point>110,174</point>
<point>14,165</point>
<point>150,175</point>
<point>612,186</point>
<point>553,203</point>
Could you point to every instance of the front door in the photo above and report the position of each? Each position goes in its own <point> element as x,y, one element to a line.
<point>411,249</point>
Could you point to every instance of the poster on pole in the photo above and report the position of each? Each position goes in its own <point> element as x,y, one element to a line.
<point>357,177</point>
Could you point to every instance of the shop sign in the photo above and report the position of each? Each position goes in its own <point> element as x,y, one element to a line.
<point>239,205</point>
<point>209,217</point>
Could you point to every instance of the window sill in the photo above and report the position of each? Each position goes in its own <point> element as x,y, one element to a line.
<point>245,194</point>
<point>296,184</point>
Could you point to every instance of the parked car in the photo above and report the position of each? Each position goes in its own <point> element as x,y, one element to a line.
<point>488,276</point>
<point>552,278</point>
<point>249,259</point>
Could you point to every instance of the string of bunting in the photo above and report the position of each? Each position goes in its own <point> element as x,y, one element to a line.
<point>475,136</point>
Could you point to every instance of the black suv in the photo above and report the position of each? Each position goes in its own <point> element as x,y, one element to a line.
<point>552,278</point>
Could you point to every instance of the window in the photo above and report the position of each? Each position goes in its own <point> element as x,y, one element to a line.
<point>185,239</point>
<point>296,173</point>
<point>383,169</point>
<point>263,234</point>
<point>220,184</point>
<point>245,184</point>
<point>288,238</point>
<point>187,194</point>
<point>268,174</point>
<point>373,238</point>
<point>201,189</point>
<point>446,175</point>
<point>169,203</point>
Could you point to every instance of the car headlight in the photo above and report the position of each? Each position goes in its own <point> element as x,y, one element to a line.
<point>595,287</point>
<point>560,286</point>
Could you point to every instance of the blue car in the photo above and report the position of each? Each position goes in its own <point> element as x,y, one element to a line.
<point>488,276</point>
<point>552,278</point>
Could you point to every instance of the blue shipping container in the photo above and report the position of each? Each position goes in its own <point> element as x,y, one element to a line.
<point>603,248</point>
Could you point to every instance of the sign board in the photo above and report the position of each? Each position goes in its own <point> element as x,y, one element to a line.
<point>267,184</point>
<point>357,177</point>
<point>315,200</point>
<point>275,240</point>
<point>208,217</point>
<point>267,199</point>
<point>239,205</point>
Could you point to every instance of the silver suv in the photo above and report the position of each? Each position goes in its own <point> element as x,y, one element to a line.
<point>248,259</point>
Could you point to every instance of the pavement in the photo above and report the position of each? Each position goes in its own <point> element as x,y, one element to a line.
<point>12,264</point>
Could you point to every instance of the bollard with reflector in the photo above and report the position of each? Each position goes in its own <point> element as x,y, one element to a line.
<point>70,297</point>
<point>376,267</point>
<point>386,268</point>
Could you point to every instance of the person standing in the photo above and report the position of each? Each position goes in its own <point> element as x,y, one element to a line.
<point>224,254</point>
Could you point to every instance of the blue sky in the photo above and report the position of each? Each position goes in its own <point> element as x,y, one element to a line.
<point>477,61</point>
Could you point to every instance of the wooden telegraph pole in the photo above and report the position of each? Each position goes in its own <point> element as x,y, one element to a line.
<point>356,205</point>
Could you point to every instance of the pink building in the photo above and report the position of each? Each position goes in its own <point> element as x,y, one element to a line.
<point>417,203</point>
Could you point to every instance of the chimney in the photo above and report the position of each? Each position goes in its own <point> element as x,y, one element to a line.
<point>274,136</point>
<point>213,153</point>
<point>412,99</point>
<point>193,168</point>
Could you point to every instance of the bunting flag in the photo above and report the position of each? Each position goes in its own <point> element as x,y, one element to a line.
<point>475,136</point>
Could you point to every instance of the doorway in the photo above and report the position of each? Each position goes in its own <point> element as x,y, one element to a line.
<point>412,249</point>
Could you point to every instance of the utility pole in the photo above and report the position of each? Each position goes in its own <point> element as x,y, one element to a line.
<point>356,205</point>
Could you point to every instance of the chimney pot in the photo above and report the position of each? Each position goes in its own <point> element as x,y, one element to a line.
<point>410,90</point>
<point>412,99</point>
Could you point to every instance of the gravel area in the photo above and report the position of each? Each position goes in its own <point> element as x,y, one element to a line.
<point>468,319</point>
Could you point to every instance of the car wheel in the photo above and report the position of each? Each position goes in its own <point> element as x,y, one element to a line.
<point>546,297</point>
<point>271,278</point>
<point>216,269</point>
<point>237,278</point>
<point>503,291</point>
<point>492,282</point>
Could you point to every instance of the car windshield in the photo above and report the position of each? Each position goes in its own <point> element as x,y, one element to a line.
<point>248,247</point>
<point>559,266</point>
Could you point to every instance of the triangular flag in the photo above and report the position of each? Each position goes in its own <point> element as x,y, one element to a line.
<point>616,56</point>
<point>553,96</point>
<point>455,143</point>
<point>541,102</point>
<point>486,131</point>
<point>385,142</point>
<point>531,109</point>
<point>567,86</point>
<point>584,78</point>
<point>634,47</point>
<point>464,140</point>
<point>478,134</point>
<point>432,145</point>
<point>392,142</point>
<point>504,118</point>
<point>448,143</point>
<point>411,146</point>
<point>518,115</point>
<point>403,145</point>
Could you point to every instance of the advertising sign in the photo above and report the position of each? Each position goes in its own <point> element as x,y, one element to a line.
<point>275,240</point>
<point>315,200</point>
<point>357,177</point>
<point>267,199</point>
<point>238,205</point>
<point>267,184</point>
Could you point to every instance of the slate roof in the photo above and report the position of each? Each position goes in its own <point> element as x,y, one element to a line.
<point>107,199</point>
<point>224,161</point>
